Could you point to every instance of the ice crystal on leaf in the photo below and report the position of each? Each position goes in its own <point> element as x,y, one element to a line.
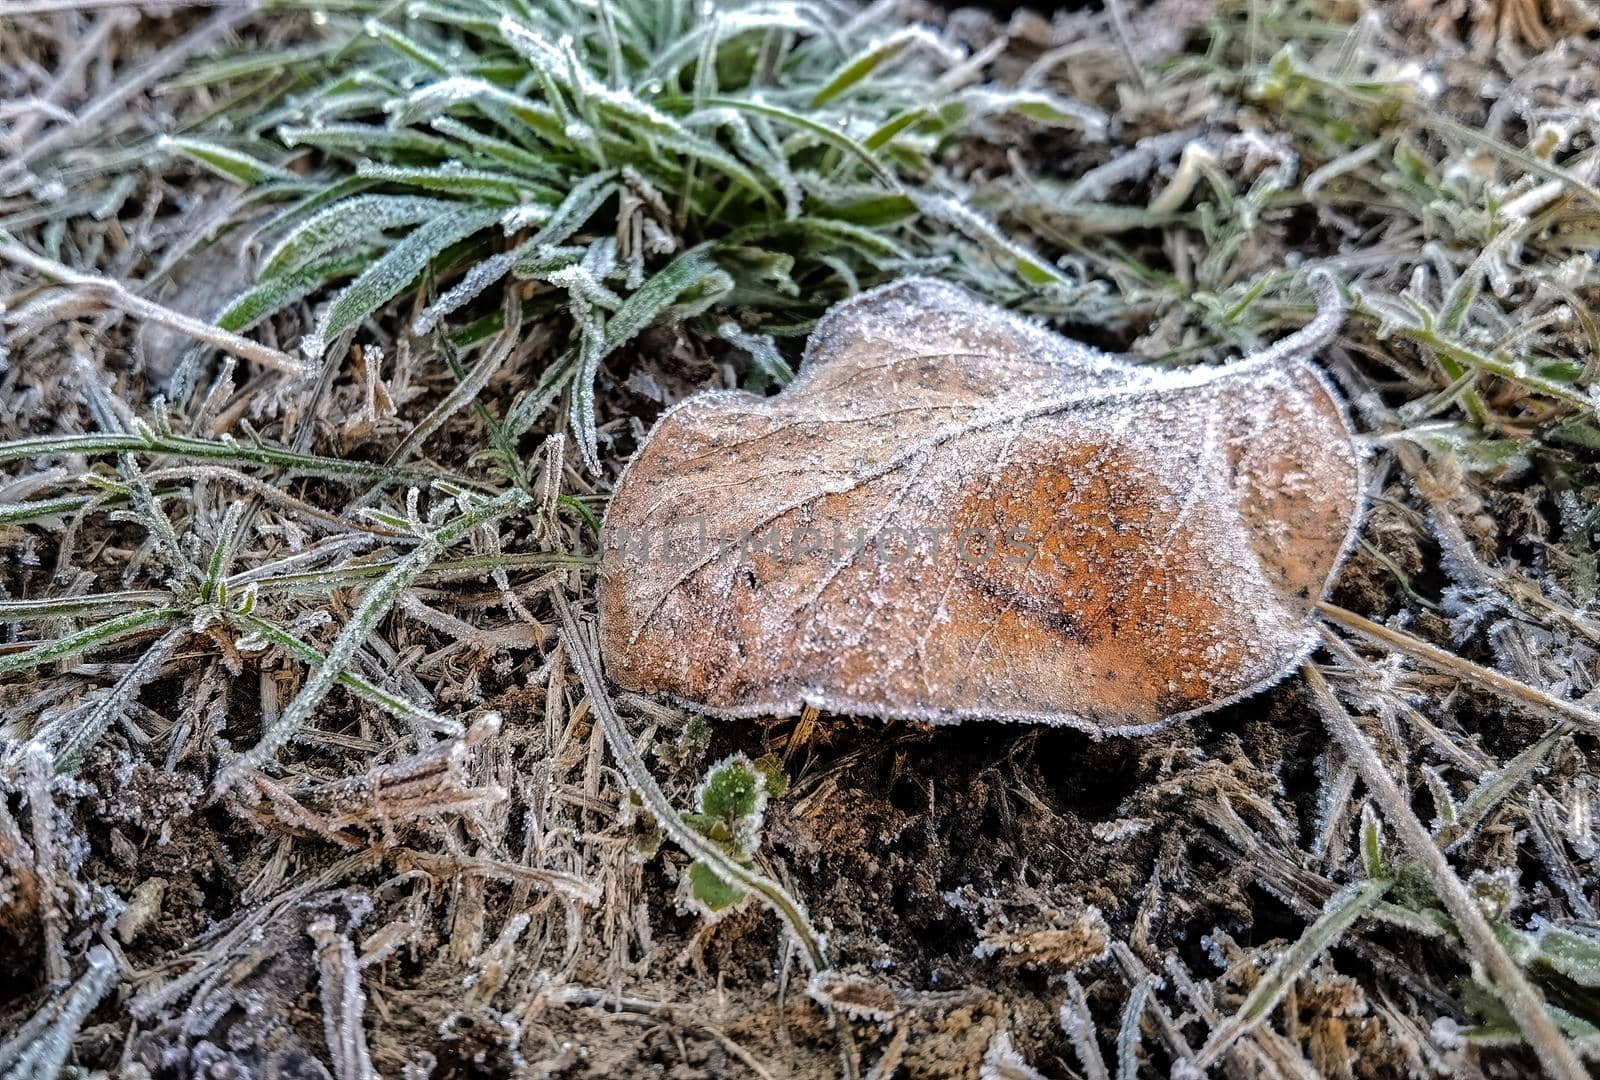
<point>953,513</point>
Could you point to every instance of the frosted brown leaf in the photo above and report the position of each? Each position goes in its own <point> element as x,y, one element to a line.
<point>953,513</point>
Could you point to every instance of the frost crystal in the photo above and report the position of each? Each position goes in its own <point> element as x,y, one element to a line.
<point>953,513</point>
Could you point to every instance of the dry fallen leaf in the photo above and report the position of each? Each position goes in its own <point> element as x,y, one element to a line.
<point>953,513</point>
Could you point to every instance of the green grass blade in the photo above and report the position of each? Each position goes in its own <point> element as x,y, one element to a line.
<point>364,139</point>
<point>581,204</point>
<point>458,92</point>
<point>275,294</point>
<point>106,633</point>
<point>823,133</point>
<point>412,49</point>
<point>487,146</point>
<point>76,733</point>
<point>460,569</point>
<point>373,605</point>
<point>390,703</point>
<point>476,184</point>
<point>1341,911</point>
<point>226,162</point>
<point>69,607</point>
<point>41,509</point>
<point>646,303</point>
<point>346,222</point>
<point>172,445</point>
<point>383,280</point>
<point>874,56</point>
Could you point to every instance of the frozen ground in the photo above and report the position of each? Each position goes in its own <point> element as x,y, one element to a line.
<point>328,331</point>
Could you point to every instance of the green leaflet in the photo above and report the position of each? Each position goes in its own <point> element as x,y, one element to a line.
<point>710,890</point>
<point>729,805</point>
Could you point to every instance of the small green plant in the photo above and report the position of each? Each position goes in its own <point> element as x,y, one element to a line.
<point>731,802</point>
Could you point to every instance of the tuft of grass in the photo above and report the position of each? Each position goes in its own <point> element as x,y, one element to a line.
<point>630,163</point>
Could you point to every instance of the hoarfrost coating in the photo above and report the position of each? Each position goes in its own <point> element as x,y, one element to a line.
<point>1193,518</point>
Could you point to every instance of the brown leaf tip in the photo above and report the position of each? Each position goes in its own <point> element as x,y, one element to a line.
<point>954,513</point>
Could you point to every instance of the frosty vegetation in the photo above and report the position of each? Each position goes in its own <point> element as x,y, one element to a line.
<point>329,331</point>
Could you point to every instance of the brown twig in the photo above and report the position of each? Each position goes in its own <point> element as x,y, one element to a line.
<point>121,297</point>
<point>1451,664</point>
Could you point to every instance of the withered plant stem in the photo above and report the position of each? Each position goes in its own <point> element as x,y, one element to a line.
<point>1519,996</point>
<point>122,298</point>
<point>1451,664</point>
